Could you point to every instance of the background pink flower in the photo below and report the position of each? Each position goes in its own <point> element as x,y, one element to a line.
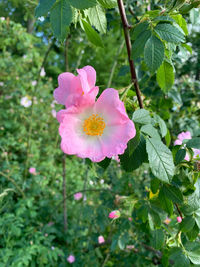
<point>101,239</point>
<point>73,89</point>
<point>167,220</point>
<point>98,130</point>
<point>114,214</point>
<point>71,259</point>
<point>78,196</point>
<point>32,170</point>
<point>179,219</point>
<point>182,136</point>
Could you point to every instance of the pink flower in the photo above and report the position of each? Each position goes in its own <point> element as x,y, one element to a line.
<point>78,196</point>
<point>179,219</point>
<point>71,259</point>
<point>167,220</point>
<point>182,136</point>
<point>96,130</point>
<point>32,170</point>
<point>101,239</point>
<point>42,73</point>
<point>72,88</point>
<point>26,101</point>
<point>130,219</point>
<point>196,153</point>
<point>114,214</point>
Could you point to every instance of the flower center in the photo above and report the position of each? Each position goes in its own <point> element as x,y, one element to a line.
<point>94,125</point>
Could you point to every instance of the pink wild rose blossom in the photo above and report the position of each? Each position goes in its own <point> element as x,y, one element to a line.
<point>96,130</point>
<point>71,259</point>
<point>114,214</point>
<point>73,89</point>
<point>182,136</point>
<point>32,170</point>
<point>78,196</point>
<point>101,239</point>
<point>179,219</point>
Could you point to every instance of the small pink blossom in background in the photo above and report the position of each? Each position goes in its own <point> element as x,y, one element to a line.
<point>75,89</point>
<point>2,18</point>
<point>26,102</point>
<point>1,83</point>
<point>42,73</point>
<point>96,130</point>
<point>71,259</point>
<point>46,234</point>
<point>34,83</point>
<point>114,214</point>
<point>130,246</point>
<point>130,219</point>
<point>78,196</point>
<point>179,219</point>
<point>8,97</point>
<point>102,181</point>
<point>167,220</point>
<point>50,223</point>
<point>32,170</point>
<point>52,247</point>
<point>182,136</point>
<point>53,112</point>
<point>101,239</point>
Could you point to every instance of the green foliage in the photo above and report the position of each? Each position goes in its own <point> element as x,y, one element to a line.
<point>165,76</point>
<point>92,35</point>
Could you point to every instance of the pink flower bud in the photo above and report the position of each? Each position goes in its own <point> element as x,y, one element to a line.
<point>101,239</point>
<point>167,220</point>
<point>179,219</point>
<point>71,259</point>
<point>114,214</point>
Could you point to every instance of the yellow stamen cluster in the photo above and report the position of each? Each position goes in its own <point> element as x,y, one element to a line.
<point>94,125</point>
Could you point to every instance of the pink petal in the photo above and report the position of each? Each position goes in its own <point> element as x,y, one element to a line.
<point>177,142</point>
<point>87,77</point>
<point>184,135</point>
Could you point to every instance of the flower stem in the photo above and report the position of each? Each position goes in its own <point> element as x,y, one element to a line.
<point>126,28</point>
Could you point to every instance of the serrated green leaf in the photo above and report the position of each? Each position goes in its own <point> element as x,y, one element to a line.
<point>187,224</point>
<point>179,258</point>
<point>141,116</point>
<point>194,143</point>
<point>166,204</point>
<point>139,155</point>
<point>160,160</point>
<point>60,18</point>
<point>173,193</point>
<point>164,18</point>
<point>153,53</point>
<point>158,239</point>
<point>139,29</point>
<point>83,4</point>
<point>162,125</point>
<point>139,44</point>
<point>165,76</point>
<point>97,18</point>
<point>92,35</point>
<point>150,130</point>
<point>169,33</point>
<point>108,3</point>
<point>43,7</point>
<point>155,185</point>
<point>192,235</point>
<point>180,155</point>
<point>194,256</point>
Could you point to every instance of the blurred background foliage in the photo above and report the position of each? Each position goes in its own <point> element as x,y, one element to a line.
<point>31,220</point>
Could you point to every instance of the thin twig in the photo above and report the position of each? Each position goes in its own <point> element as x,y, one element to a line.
<point>13,182</point>
<point>106,259</point>
<point>126,28</point>
<point>179,211</point>
<point>115,64</point>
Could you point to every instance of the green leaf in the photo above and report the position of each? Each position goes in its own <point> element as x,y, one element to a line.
<point>139,29</point>
<point>43,7</point>
<point>60,18</point>
<point>192,235</point>
<point>160,159</point>
<point>162,125</point>
<point>153,53</point>
<point>83,4</point>
<point>155,185</point>
<point>189,48</point>
<point>165,76</point>
<point>166,204</point>
<point>105,163</point>
<point>164,18</point>
<point>141,116</point>
<point>180,155</point>
<point>187,224</point>
<point>168,138</point>
<point>92,35</point>
<point>179,258</point>
<point>97,18</point>
<point>194,256</point>
<point>108,3</point>
<point>158,239</point>
<point>150,130</point>
<point>139,44</point>
<point>173,193</point>
<point>194,143</point>
<point>134,142</point>
<point>169,33</point>
<point>139,155</point>
<point>123,240</point>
